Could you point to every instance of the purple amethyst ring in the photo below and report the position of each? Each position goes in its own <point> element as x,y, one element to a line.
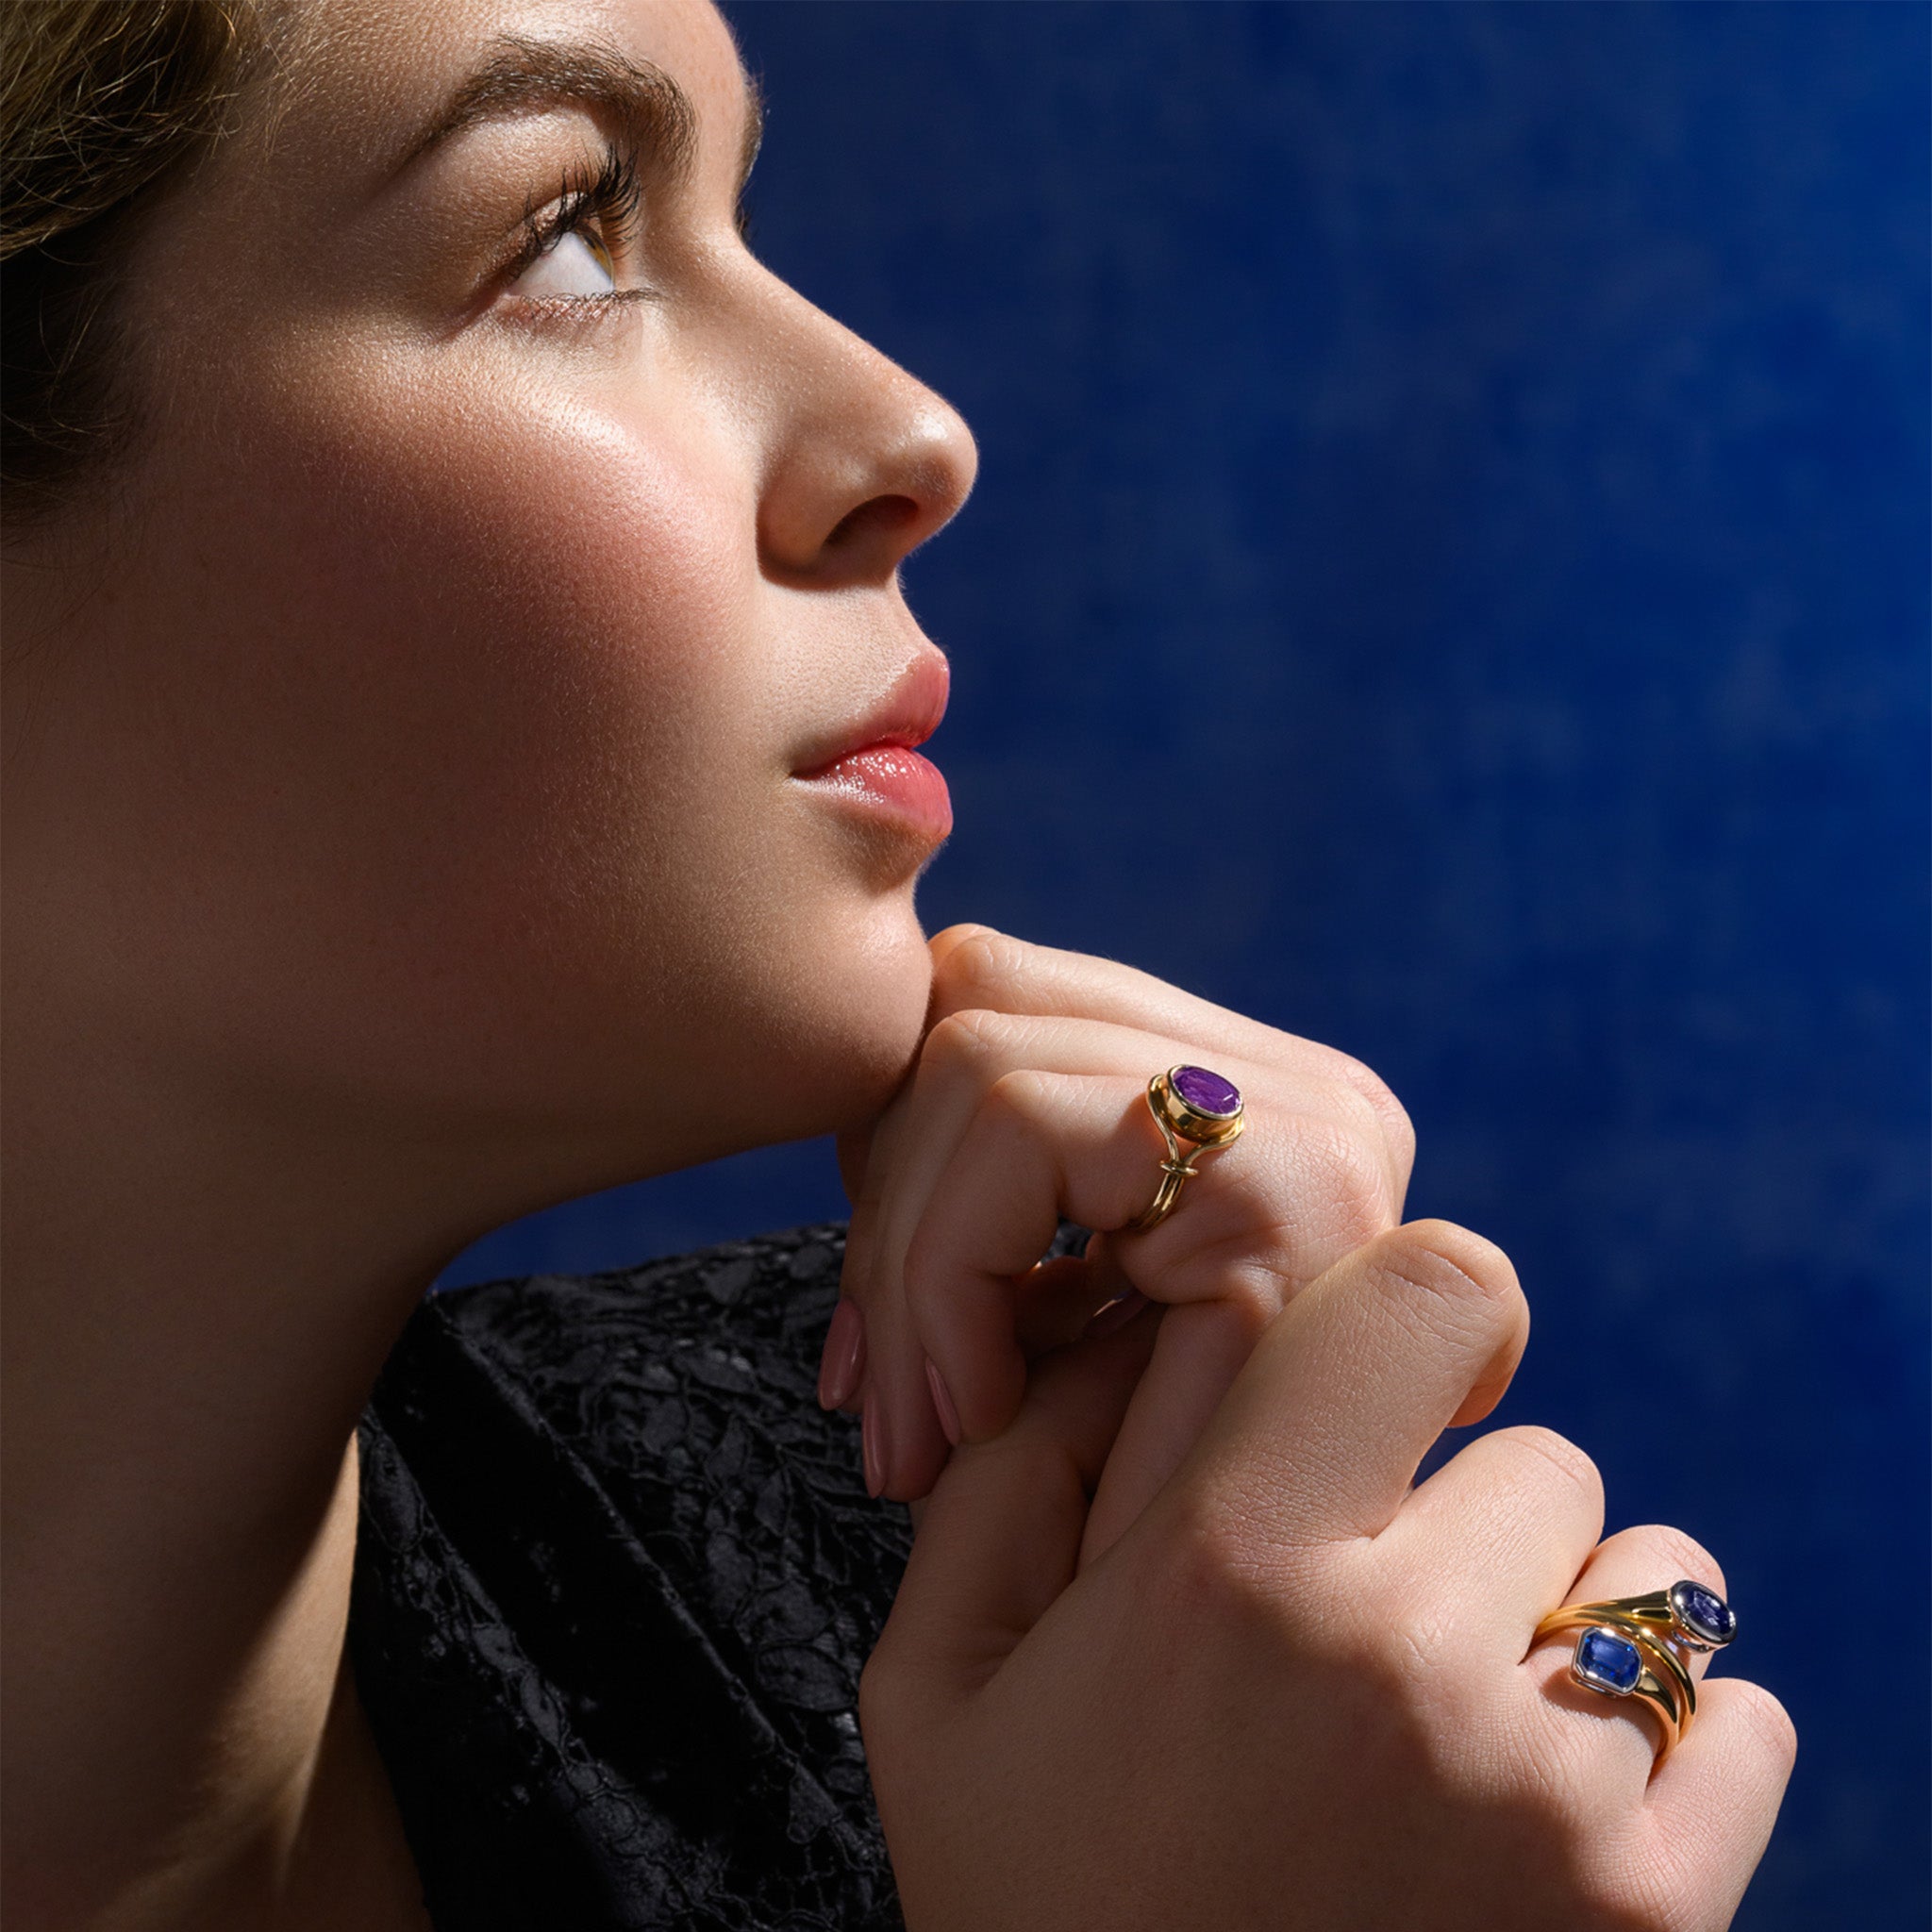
<point>1194,1107</point>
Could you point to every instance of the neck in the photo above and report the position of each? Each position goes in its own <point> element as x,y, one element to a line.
<point>198,1303</point>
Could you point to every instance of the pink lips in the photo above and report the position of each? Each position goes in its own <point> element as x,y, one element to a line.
<point>877,768</point>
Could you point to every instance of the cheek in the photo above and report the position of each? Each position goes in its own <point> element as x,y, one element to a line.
<point>506,630</point>
<point>470,789</point>
<point>522,616</point>
<point>456,683</point>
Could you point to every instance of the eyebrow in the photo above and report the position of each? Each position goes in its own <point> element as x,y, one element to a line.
<point>652,113</point>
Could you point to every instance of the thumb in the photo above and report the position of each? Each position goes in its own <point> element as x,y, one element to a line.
<point>999,1539</point>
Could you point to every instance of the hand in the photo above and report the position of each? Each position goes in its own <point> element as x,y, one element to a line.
<point>1297,1693</point>
<point>1028,1103</point>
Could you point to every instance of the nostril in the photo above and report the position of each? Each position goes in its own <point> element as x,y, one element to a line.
<point>880,516</point>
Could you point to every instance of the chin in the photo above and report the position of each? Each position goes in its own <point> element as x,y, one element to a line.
<point>851,1031</point>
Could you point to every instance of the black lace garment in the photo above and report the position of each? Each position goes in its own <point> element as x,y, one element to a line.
<point>616,1579</point>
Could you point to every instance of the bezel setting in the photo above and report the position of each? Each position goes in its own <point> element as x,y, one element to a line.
<point>1692,1630</point>
<point>1197,1124</point>
<point>1591,1669</point>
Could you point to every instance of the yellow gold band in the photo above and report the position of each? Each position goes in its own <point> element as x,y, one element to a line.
<point>1180,1119</point>
<point>1641,1648</point>
<point>1660,1662</point>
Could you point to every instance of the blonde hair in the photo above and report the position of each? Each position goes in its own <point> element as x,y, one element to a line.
<point>101,102</point>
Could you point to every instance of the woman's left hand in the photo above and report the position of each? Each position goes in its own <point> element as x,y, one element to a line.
<point>1027,1104</point>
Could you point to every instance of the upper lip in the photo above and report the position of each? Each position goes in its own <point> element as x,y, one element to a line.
<point>908,714</point>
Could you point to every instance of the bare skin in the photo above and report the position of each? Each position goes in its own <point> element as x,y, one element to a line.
<point>413,770</point>
<point>402,787</point>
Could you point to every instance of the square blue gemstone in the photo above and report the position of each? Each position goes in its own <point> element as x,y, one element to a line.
<point>1606,1662</point>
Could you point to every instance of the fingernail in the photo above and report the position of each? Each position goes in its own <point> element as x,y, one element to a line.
<point>942,1401</point>
<point>844,1360</point>
<point>1116,1314</point>
<point>872,1436</point>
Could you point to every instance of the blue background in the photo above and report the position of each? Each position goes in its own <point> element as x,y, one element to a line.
<point>1489,444</point>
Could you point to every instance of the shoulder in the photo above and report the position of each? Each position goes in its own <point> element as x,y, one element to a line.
<point>613,1552</point>
<point>666,1358</point>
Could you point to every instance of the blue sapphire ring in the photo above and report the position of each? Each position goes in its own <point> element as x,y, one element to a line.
<point>1641,1648</point>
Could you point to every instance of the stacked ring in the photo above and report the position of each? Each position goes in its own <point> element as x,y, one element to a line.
<point>1641,1648</point>
<point>1193,1105</point>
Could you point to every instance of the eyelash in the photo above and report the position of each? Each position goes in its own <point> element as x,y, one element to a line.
<point>612,199</point>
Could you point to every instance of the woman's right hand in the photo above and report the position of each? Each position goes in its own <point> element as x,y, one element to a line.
<point>1298,1691</point>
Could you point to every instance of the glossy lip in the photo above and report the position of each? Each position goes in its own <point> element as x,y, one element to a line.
<point>875,766</point>
<point>908,715</point>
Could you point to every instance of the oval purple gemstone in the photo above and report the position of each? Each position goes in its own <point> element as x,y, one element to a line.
<point>1702,1613</point>
<point>1607,1661</point>
<point>1206,1092</point>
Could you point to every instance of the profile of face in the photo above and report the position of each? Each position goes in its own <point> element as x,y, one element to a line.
<point>453,732</point>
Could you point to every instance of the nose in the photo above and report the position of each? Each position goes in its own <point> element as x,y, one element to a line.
<point>866,463</point>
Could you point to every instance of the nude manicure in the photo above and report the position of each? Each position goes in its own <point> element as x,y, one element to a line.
<point>873,1445</point>
<point>843,1361</point>
<point>1116,1315</point>
<point>943,1402</point>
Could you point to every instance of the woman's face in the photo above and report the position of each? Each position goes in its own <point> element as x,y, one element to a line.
<point>507,551</point>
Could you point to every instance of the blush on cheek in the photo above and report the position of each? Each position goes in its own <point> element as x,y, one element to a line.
<point>475,801</point>
<point>458,656</point>
<point>508,618</point>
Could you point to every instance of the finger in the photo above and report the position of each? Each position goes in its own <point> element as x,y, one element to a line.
<point>908,1153</point>
<point>903,1444</point>
<point>1715,1798</point>
<point>1631,1563</point>
<point>1634,1561</point>
<point>1321,1435</point>
<point>903,1441</point>
<point>1513,1517</point>
<point>1039,1144</point>
<point>1200,1350</point>
<point>1000,1535</point>
<point>1042,1145</point>
<point>852,1147</point>
<point>970,1052</point>
<point>974,966</point>
<point>1311,1146</point>
<point>1055,1301</point>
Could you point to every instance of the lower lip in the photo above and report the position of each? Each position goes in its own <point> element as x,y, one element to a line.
<point>893,779</point>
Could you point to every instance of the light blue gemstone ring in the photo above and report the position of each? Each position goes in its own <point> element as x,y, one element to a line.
<point>1641,1648</point>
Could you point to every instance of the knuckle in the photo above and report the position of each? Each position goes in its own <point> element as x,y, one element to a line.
<point>1018,1099</point>
<point>1398,1130</point>
<point>977,962</point>
<point>1355,1181</point>
<point>1250,1296</point>
<point>1557,1457</point>
<point>1668,1548</point>
<point>1216,1571</point>
<point>1452,1267</point>
<point>963,1040</point>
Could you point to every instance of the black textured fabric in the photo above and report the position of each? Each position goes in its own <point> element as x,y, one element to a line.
<point>616,1579</point>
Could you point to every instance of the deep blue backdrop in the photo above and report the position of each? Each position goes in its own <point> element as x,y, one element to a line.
<point>1489,444</point>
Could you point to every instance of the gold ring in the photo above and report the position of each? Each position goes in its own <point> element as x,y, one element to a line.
<point>1189,1104</point>
<point>1641,1648</point>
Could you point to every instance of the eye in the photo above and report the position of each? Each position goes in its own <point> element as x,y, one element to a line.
<point>575,266</point>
